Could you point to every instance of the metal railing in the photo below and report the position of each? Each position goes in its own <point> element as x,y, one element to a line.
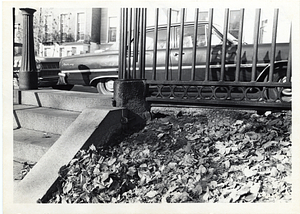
<point>223,81</point>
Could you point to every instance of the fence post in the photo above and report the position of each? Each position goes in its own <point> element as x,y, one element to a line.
<point>28,76</point>
<point>130,90</point>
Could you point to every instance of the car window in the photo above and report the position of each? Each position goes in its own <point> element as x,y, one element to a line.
<point>161,39</point>
<point>215,40</point>
<point>188,38</point>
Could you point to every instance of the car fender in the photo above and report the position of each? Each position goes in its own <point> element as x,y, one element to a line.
<point>94,81</point>
<point>261,77</point>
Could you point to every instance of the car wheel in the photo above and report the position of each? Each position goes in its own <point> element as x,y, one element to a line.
<point>285,93</point>
<point>106,87</point>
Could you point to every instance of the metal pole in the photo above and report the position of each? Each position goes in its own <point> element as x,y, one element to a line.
<point>168,43</point>
<point>239,49</point>
<point>141,56</point>
<point>129,43</point>
<point>211,11</point>
<point>223,60</point>
<point>144,43</point>
<point>289,66</point>
<point>255,45</point>
<point>155,44</point>
<point>181,43</point>
<point>273,46</point>
<point>195,44</point>
<point>121,45</point>
<point>28,72</point>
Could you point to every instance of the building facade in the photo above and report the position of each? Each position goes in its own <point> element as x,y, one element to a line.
<point>70,31</point>
<point>66,31</point>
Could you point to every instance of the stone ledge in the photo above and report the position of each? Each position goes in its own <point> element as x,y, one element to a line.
<point>92,126</point>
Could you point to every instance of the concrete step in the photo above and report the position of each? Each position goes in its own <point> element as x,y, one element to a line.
<point>92,126</point>
<point>65,100</point>
<point>43,119</point>
<point>31,145</point>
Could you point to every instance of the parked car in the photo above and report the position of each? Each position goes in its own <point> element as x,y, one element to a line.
<point>47,68</point>
<point>101,69</point>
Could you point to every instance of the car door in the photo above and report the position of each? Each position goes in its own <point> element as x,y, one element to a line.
<point>161,53</point>
<point>201,46</point>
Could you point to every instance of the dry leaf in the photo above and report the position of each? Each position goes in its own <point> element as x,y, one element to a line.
<point>248,172</point>
<point>213,185</point>
<point>111,161</point>
<point>151,166</point>
<point>227,164</point>
<point>274,172</point>
<point>151,194</point>
<point>255,189</point>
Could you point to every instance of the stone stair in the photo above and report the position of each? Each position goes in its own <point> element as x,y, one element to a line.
<point>40,118</point>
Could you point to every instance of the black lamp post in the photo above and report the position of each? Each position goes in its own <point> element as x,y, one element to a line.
<point>28,76</point>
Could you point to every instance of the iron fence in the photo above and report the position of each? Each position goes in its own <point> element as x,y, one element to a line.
<point>227,74</point>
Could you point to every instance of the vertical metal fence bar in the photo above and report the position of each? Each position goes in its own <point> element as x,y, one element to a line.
<point>155,44</point>
<point>168,43</point>
<point>144,43</point>
<point>13,27</point>
<point>134,44</point>
<point>255,44</point>
<point>121,45</point>
<point>129,43</point>
<point>181,43</point>
<point>140,43</point>
<point>239,48</point>
<point>136,41</point>
<point>289,66</point>
<point>225,31</point>
<point>138,34</point>
<point>208,49</point>
<point>273,45</point>
<point>125,43</point>
<point>141,58</point>
<point>195,44</point>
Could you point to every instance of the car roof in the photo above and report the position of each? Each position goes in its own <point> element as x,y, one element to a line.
<point>216,27</point>
<point>176,24</point>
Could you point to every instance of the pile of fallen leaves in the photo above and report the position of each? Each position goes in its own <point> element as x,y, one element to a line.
<point>216,156</point>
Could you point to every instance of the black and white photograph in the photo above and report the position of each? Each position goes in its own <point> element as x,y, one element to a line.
<point>150,107</point>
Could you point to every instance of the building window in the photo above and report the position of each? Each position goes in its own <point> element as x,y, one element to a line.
<point>80,26</point>
<point>63,27</point>
<point>112,29</point>
<point>61,51</point>
<point>47,52</point>
<point>48,28</point>
<point>74,50</point>
<point>17,35</point>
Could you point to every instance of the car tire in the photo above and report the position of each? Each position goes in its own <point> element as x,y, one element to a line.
<point>286,93</point>
<point>63,87</point>
<point>106,87</point>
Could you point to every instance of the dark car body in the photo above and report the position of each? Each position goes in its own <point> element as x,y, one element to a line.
<point>47,68</point>
<point>98,68</point>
